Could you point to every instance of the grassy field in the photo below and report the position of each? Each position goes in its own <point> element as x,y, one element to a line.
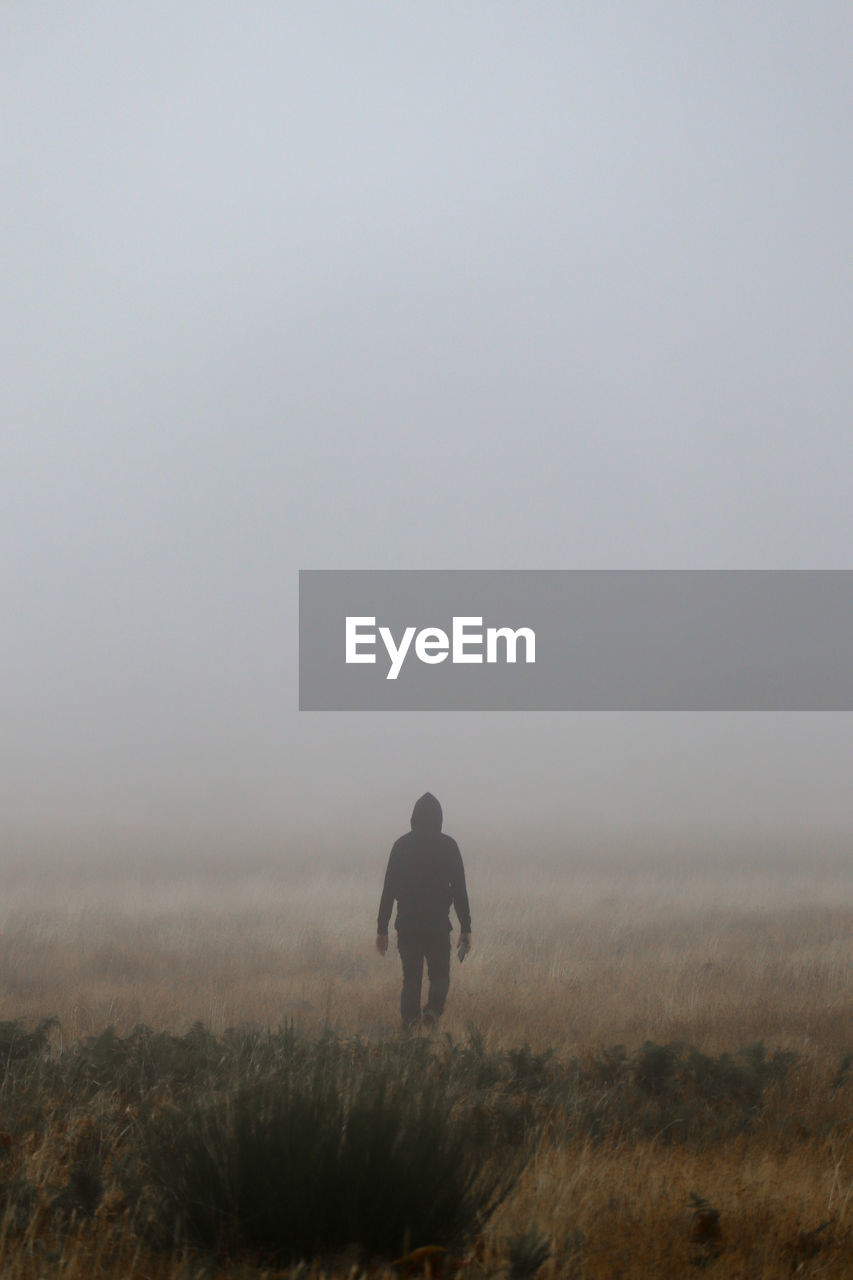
<point>640,1161</point>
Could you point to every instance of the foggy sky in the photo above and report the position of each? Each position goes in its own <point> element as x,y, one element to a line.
<point>448,286</point>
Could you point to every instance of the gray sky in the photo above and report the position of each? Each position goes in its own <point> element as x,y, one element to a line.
<point>396,286</point>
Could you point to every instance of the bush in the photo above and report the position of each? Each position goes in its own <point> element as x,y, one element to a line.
<point>319,1158</point>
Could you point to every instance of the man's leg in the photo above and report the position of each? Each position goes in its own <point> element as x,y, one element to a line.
<point>412,957</point>
<point>438,968</point>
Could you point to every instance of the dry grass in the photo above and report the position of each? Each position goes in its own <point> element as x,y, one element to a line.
<point>569,955</point>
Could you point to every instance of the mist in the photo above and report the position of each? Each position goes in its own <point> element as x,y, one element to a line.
<point>340,287</point>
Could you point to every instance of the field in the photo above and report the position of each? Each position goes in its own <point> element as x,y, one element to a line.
<point>716,1139</point>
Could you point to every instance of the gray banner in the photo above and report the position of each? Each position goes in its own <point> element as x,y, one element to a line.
<point>587,640</point>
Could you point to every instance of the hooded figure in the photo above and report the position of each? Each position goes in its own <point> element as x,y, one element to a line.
<point>427,813</point>
<point>426,877</point>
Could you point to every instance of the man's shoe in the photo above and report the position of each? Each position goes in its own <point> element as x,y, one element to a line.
<point>429,1019</point>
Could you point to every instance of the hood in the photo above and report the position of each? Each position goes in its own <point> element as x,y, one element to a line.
<point>427,814</point>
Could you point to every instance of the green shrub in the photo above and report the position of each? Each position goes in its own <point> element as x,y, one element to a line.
<point>321,1158</point>
<point>17,1044</point>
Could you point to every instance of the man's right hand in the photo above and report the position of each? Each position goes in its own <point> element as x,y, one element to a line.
<point>382,943</point>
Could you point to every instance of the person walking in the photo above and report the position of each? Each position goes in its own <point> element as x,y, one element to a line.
<point>426,877</point>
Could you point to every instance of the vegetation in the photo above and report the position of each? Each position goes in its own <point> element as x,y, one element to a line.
<point>326,1142</point>
<point>333,1149</point>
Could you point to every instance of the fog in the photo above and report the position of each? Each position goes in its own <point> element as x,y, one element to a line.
<point>353,286</point>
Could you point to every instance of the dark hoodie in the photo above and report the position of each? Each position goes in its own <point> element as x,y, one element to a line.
<point>426,877</point>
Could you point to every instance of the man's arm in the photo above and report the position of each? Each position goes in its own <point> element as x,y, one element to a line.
<point>389,893</point>
<point>459,890</point>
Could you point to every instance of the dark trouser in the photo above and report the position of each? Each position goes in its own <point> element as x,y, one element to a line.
<point>413,951</point>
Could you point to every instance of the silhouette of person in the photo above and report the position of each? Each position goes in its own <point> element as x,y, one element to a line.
<point>426,877</point>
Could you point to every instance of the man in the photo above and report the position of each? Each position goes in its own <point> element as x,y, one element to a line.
<point>425,875</point>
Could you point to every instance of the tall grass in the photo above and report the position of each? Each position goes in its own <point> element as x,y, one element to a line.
<point>657,1034</point>
<point>319,1160</point>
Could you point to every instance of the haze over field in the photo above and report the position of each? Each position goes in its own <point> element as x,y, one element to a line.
<point>335,285</point>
